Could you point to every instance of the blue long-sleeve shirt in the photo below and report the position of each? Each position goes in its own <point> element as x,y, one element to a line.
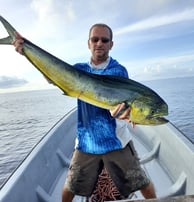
<point>97,130</point>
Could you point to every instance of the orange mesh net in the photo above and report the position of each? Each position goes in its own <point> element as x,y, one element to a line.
<point>105,189</point>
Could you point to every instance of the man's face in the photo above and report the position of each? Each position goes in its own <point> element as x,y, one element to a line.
<point>99,43</point>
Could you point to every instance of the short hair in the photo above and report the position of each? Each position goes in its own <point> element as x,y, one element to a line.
<point>102,25</point>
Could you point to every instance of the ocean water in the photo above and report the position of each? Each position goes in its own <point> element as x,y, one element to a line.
<point>25,117</point>
<point>179,95</point>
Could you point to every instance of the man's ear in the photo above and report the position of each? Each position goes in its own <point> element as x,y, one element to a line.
<point>88,43</point>
<point>111,44</point>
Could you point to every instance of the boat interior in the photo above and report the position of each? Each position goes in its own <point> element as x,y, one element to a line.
<point>163,151</point>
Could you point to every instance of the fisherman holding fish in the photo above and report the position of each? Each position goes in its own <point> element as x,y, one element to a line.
<point>102,141</point>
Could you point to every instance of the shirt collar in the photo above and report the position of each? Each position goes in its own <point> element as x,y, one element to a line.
<point>100,66</point>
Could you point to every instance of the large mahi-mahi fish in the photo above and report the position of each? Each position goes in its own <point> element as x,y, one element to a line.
<point>147,107</point>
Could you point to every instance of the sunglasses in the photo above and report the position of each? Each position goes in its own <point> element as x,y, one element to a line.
<point>95,39</point>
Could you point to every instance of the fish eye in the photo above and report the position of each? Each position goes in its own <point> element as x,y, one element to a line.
<point>152,112</point>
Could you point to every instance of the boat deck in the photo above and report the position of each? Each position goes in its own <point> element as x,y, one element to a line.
<point>163,184</point>
<point>169,199</point>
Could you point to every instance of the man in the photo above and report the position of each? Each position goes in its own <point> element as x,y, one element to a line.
<point>99,141</point>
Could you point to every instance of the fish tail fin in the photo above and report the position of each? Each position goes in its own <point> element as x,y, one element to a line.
<point>11,31</point>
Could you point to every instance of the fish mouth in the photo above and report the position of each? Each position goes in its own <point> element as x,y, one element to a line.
<point>162,119</point>
<point>157,120</point>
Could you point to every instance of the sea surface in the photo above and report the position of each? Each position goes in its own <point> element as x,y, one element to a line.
<point>25,117</point>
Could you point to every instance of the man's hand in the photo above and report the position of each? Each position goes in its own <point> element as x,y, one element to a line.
<point>117,112</point>
<point>18,43</point>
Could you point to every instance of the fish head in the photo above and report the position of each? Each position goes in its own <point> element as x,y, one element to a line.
<point>149,111</point>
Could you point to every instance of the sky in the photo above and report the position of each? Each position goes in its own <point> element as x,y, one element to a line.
<point>153,39</point>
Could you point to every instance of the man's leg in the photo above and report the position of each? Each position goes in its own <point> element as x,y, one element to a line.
<point>148,191</point>
<point>67,196</point>
<point>126,172</point>
<point>82,175</point>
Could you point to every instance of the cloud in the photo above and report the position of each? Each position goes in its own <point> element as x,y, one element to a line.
<point>162,67</point>
<point>10,82</point>
<point>46,10</point>
<point>54,16</point>
<point>157,21</point>
<point>157,72</point>
<point>161,29</point>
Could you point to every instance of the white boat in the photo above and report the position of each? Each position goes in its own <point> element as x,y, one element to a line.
<point>166,155</point>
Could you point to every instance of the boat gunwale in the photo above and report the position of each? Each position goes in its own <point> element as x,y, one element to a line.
<point>31,154</point>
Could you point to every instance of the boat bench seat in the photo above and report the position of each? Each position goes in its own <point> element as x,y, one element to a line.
<point>148,161</point>
<point>164,186</point>
<point>56,192</point>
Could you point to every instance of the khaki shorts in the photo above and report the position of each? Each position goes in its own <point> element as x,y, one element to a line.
<point>123,166</point>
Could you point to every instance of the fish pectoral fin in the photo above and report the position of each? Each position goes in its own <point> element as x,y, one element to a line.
<point>64,93</point>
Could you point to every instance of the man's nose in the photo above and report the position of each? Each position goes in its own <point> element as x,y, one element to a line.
<point>99,43</point>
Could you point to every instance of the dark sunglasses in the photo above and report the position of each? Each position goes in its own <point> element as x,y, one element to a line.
<point>96,39</point>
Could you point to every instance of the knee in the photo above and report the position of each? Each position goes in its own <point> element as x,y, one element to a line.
<point>67,196</point>
<point>148,191</point>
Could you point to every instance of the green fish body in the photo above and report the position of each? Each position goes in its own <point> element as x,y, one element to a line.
<point>147,107</point>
